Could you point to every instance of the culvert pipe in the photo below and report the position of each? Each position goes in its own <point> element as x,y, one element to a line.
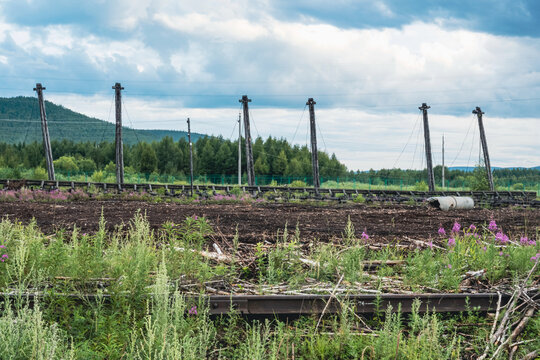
<point>446,203</point>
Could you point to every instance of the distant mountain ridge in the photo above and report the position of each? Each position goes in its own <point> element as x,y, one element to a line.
<point>20,123</point>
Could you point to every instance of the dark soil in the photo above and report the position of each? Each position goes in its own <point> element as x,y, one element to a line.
<point>262,221</point>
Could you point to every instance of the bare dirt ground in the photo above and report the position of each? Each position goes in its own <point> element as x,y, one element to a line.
<point>261,221</point>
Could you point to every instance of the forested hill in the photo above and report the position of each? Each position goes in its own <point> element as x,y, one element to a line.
<point>20,123</point>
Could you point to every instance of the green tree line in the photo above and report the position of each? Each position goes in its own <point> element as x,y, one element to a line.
<point>211,155</point>
<point>476,179</point>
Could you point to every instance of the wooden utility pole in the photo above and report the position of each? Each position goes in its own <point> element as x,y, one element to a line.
<point>314,154</point>
<point>239,149</point>
<point>487,163</point>
<point>249,150</point>
<point>118,139</point>
<point>431,178</point>
<point>443,162</point>
<point>190,156</point>
<point>45,130</point>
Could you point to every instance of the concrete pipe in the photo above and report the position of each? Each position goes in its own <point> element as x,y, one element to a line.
<point>446,203</point>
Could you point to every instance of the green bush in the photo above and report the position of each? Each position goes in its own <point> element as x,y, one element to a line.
<point>421,186</point>
<point>39,173</point>
<point>66,164</point>
<point>298,183</point>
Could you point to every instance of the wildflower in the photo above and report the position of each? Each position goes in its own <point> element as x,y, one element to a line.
<point>192,311</point>
<point>502,238</point>
<point>492,225</point>
<point>2,246</point>
<point>532,242</point>
<point>195,217</point>
<point>449,266</point>
<point>472,227</point>
<point>456,227</point>
<point>524,241</point>
<point>441,231</point>
<point>534,258</point>
<point>501,253</point>
<point>484,248</point>
<point>365,236</point>
<point>451,242</point>
<point>430,244</point>
<point>5,256</point>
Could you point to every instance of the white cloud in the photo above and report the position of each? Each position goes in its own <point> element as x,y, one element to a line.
<point>383,9</point>
<point>192,63</point>
<point>106,54</point>
<point>218,29</point>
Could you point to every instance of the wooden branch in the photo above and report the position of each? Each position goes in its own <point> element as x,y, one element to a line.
<point>332,295</point>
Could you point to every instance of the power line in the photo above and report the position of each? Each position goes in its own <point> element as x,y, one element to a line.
<point>129,119</point>
<point>463,142</point>
<point>299,121</point>
<point>409,139</point>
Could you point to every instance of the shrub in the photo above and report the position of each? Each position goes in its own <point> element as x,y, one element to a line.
<point>66,163</point>
<point>421,186</point>
<point>298,183</point>
<point>40,173</point>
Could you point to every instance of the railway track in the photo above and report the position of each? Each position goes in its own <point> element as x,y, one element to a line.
<point>297,305</point>
<point>492,198</point>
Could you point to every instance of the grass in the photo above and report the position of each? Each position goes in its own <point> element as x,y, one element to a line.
<point>151,276</point>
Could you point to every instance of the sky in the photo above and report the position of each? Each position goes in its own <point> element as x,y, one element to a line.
<point>369,65</point>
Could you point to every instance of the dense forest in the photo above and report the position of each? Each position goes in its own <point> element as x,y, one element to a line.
<point>211,155</point>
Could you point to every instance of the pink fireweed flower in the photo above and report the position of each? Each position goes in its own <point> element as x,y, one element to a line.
<point>472,227</point>
<point>430,244</point>
<point>534,258</point>
<point>365,236</point>
<point>524,241</point>
<point>2,246</point>
<point>5,256</point>
<point>532,242</point>
<point>192,311</point>
<point>492,225</point>
<point>502,238</point>
<point>456,227</point>
<point>484,248</point>
<point>451,242</point>
<point>449,266</point>
<point>442,231</point>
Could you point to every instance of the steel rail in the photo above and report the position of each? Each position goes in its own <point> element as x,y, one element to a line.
<point>488,197</point>
<point>280,305</point>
